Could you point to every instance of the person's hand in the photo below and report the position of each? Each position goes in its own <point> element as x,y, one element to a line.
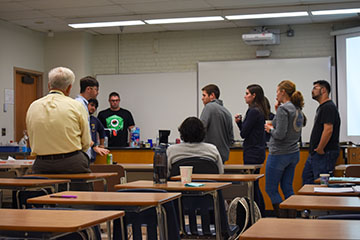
<point>101,151</point>
<point>319,151</point>
<point>238,118</point>
<point>268,127</point>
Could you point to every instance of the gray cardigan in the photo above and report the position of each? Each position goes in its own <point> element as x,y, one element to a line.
<point>287,123</point>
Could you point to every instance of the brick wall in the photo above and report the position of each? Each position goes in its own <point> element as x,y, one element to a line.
<point>181,50</point>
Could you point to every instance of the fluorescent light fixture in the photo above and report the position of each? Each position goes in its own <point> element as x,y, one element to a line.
<point>106,24</point>
<point>267,15</point>
<point>336,11</point>
<point>184,20</point>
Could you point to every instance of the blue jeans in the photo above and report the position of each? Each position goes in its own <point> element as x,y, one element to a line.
<point>316,164</point>
<point>280,169</point>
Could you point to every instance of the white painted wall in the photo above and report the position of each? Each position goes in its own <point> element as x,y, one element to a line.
<point>72,50</point>
<point>19,47</point>
<point>180,51</point>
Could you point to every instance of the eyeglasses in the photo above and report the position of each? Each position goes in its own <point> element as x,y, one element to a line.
<point>114,100</point>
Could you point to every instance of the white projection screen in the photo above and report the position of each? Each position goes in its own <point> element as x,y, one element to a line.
<point>348,81</point>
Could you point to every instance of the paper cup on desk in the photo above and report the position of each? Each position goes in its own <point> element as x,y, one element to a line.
<point>185,173</point>
<point>324,179</point>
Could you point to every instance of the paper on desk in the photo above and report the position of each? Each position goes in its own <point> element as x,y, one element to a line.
<point>356,188</point>
<point>333,190</point>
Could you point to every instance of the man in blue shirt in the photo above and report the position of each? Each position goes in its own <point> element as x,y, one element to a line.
<point>95,128</point>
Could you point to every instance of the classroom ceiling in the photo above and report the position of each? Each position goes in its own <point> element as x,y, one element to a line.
<point>54,15</point>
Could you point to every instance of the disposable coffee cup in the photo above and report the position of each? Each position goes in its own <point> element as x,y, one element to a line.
<point>185,173</point>
<point>324,179</point>
<point>268,122</point>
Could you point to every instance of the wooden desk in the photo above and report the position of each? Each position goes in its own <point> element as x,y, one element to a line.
<point>308,189</point>
<point>341,180</point>
<point>291,229</point>
<point>88,177</point>
<point>242,168</point>
<point>139,202</point>
<point>17,184</point>
<point>302,202</point>
<point>20,167</point>
<point>53,221</point>
<point>208,188</point>
<point>234,178</point>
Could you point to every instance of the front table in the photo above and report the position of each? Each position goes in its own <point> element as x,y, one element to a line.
<point>140,201</point>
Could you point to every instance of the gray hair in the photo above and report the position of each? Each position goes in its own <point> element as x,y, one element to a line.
<point>61,78</point>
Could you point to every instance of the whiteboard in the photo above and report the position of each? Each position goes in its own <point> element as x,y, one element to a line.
<point>156,100</point>
<point>232,77</point>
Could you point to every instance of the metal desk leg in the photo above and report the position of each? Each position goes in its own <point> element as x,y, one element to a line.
<point>251,197</point>
<point>162,223</point>
<point>105,184</point>
<point>108,229</point>
<point>181,218</point>
<point>217,215</point>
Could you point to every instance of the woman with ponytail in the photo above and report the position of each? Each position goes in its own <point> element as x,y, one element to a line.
<point>252,131</point>
<point>284,153</point>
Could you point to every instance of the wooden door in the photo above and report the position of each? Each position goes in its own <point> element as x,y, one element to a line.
<point>28,87</point>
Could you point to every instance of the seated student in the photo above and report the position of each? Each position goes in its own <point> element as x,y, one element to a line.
<point>192,132</point>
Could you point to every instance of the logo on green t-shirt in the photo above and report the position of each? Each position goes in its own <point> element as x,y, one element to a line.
<point>115,122</point>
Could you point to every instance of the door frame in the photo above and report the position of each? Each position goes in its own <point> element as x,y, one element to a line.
<point>39,88</point>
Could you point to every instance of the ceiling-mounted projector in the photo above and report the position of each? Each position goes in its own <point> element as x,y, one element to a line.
<point>264,38</point>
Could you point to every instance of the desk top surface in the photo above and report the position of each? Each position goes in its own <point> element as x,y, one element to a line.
<point>277,228</point>
<point>18,182</point>
<point>75,175</point>
<point>308,189</point>
<point>107,198</point>
<point>173,186</point>
<point>322,202</point>
<point>225,177</point>
<point>53,220</point>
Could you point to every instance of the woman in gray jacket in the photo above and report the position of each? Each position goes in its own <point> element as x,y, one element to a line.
<point>285,133</point>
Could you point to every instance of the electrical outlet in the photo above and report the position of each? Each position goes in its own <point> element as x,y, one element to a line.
<point>3,131</point>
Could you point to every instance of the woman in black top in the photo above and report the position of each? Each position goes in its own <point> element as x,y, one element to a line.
<point>252,131</point>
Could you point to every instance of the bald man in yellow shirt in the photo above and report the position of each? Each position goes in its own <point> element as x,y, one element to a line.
<point>58,128</point>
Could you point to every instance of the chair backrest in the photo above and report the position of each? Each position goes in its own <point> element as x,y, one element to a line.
<point>352,171</point>
<point>200,165</point>
<point>111,181</point>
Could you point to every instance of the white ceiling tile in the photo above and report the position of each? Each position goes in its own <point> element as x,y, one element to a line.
<point>89,11</point>
<point>12,6</point>
<point>50,4</point>
<point>172,6</point>
<point>23,15</point>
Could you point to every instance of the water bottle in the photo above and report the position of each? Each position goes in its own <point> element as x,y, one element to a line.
<point>23,143</point>
<point>160,164</point>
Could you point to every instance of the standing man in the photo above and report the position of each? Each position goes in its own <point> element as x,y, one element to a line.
<point>324,140</point>
<point>89,88</point>
<point>58,128</point>
<point>217,121</point>
<point>118,121</point>
<point>96,128</point>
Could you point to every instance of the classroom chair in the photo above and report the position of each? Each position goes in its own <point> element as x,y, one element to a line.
<point>111,181</point>
<point>200,165</point>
